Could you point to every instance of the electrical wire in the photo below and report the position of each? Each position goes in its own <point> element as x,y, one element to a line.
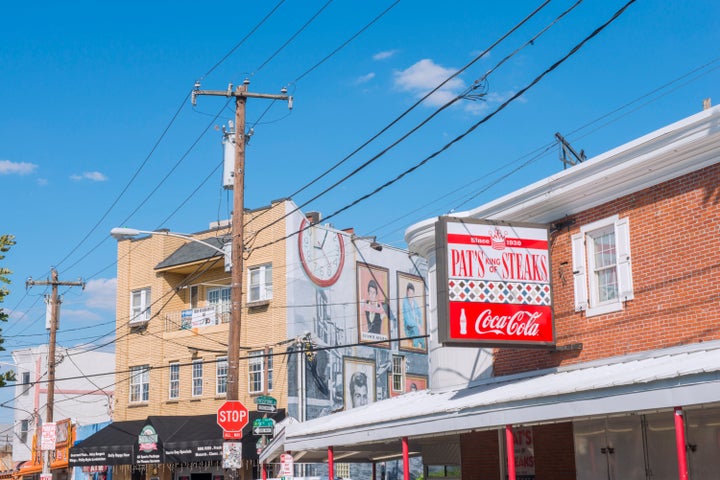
<point>487,117</point>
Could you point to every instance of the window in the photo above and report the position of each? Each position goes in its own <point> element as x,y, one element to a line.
<point>221,372</point>
<point>197,378</point>
<point>139,384</point>
<point>398,373</point>
<point>220,298</point>
<point>260,281</point>
<point>255,372</point>
<point>601,266</point>
<point>139,306</point>
<point>26,382</point>
<point>174,383</point>
<point>194,293</point>
<point>24,428</point>
<point>269,363</point>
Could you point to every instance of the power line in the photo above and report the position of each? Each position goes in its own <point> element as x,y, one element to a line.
<point>448,145</point>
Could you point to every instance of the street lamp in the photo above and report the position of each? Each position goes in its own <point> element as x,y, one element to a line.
<point>122,233</point>
<point>233,378</point>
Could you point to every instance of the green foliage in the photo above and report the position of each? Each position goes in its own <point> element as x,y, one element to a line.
<point>6,241</point>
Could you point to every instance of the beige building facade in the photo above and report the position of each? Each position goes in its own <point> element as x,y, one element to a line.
<point>173,314</point>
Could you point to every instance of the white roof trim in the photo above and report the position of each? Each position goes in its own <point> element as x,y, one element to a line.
<point>663,379</point>
<point>667,153</point>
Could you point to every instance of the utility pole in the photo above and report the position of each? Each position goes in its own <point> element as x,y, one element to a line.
<point>241,95</point>
<point>53,321</point>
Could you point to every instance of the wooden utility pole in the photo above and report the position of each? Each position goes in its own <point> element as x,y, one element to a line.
<point>241,95</point>
<point>53,324</point>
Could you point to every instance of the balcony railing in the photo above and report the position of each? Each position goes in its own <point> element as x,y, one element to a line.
<point>197,317</point>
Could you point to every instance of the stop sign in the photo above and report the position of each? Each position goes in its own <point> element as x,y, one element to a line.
<point>232,416</point>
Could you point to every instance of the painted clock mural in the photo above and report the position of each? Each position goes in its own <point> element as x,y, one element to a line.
<point>322,253</point>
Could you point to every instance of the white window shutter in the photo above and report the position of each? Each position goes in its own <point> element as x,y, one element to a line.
<point>579,272</point>
<point>622,236</point>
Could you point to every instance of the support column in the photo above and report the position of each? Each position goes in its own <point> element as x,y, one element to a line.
<point>510,447</point>
<point>263,470</point>
<point>680,443</point>
<point>406,459</point>
<point>331,463</point>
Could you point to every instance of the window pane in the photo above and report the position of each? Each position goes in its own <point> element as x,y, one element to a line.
<point>174,380</point>
<point>139,384</point>
<point>197,380</point>
<point>221,370</point>
<point>255,372</point>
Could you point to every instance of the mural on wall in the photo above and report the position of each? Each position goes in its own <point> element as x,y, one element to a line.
<point>411,312</point>
<point>344,305</point>
<point>412,383</point>
<point>373,308</point>
<point>358,381</point>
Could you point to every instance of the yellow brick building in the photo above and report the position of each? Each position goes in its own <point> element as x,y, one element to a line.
<point>173,315</point>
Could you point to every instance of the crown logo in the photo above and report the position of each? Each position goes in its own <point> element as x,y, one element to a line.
<point>497,239</point>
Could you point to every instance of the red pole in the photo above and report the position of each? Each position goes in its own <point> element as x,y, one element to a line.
<point>374,472</point>
<point>331,466</point>
<point>263,471</point>
<point>510,447</point>
<point>406,459</point>
<point>680,442</point>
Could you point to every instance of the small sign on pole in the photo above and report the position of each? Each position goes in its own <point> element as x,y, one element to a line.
<point>49,436</point>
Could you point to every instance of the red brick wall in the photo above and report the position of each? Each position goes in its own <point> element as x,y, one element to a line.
<point>480,455</point>
<point>675,253</point>
<point>554,452</point>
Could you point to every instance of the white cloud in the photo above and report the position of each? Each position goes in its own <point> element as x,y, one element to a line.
<point>21,168</point>
<point>385,55</point>
<point>94,176</point>
<point>100,293</point>
<point>425,75</point>
<point>42,181</point>
<point>364,78</point>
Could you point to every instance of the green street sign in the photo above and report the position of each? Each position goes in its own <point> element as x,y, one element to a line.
<point>266,404</point>
<point>264,426</point>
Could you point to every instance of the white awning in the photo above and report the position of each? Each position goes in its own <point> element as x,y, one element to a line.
<point>683,376</point>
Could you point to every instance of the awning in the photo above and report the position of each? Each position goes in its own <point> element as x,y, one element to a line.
<point>176,439</point>
<point>113,445</point>
<point>686,376</point>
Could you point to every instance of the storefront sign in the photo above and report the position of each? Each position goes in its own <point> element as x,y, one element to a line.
<point>493,284</point>
<point>524,453</point>
<point>148,450</point>
<point>199,317</point>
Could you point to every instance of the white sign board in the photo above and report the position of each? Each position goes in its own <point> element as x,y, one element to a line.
<point>286,466</point>
<point>49,436</point>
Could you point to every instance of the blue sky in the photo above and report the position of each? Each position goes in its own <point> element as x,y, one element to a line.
<point>97,130</point>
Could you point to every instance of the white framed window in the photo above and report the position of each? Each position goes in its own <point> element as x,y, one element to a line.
<point>139,384</point>
<point>174,381</point>
<point>197,378</point>
<point>139,306</point>
<point>221,372</point>
<point>256,363</point>
<point>25,383</point>
<point>260,283</point>
<point>260,371</point>
<point>602,270</point>
<point>221,299</point>
<point>398,374</point>
<point>24,429</point>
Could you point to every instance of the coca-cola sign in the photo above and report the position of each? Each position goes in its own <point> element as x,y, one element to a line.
<point>493,283</point>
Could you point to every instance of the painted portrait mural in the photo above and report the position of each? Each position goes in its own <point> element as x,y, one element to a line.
<point>412,325</point>
<point>373,308</point>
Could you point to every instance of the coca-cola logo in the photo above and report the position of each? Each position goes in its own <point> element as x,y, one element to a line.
<point>520,324</point>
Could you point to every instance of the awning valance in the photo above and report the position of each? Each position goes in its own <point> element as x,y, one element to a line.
<point>162,439</point>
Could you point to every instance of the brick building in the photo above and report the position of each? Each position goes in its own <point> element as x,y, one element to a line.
<point>629,387</point>
<point>326,324</point>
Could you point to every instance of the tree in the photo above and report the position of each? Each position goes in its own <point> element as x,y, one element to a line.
<point>6,241</point>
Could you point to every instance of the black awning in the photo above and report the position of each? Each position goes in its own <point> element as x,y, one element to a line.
<point>113,445</point>
<point>180,439</point>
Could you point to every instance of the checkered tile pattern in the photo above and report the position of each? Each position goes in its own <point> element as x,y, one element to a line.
<point>483,291</point>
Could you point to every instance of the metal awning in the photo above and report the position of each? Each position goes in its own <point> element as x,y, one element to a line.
<point>684,376</point>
